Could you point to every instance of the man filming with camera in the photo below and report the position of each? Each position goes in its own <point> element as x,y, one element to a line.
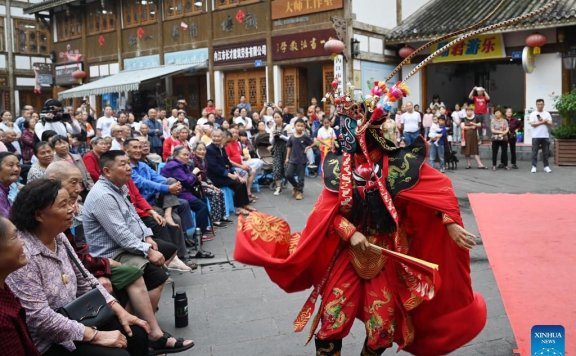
<point>53,117</point>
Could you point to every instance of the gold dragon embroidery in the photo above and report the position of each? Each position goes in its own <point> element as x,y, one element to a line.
<point>333,309</point>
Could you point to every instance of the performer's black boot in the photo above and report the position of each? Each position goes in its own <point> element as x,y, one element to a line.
<point>328,347</point>
<point>366,351</point>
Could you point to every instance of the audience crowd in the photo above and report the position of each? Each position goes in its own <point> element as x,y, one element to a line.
<point>116,203</point>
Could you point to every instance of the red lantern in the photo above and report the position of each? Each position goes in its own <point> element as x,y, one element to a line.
<point>536,40</point>
<point>405,51</point>
<point>334,46</point>
<point>79,74</point>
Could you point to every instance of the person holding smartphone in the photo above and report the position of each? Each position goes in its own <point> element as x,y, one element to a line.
<point>541,121</point>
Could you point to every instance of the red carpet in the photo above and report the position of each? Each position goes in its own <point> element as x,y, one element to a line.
<point>531,245</point>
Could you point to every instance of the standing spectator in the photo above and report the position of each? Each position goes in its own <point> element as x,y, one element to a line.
<point>541,121</point>
<point>179,119</point>
<point>209,109</point>
<point>9,174</point>
<point>45,155</point>
<point>104,123</point>
<point>481,98</point>
<point>389,129</point>
<point>427,121</point>
<point>61,149</point>
<point>436,104</point>
<point>220,173</point>
<point>499,129</point>
<point>325,139</point>
<point>456,119</point>
<point>15,337</point>
<point>437,136</point>
<point>27,140</point>
<point>25,114</point>
<point>243,104</point>
<point>86,131</point>
<point>7,123</point>
<point>410,122</point>
<point>470,144</point>
<point>513,125</point>
<point>286,116</point>
<point>155,132</point>
<point>297,146</point>
<point>278,140</point>
<point>53,120</point>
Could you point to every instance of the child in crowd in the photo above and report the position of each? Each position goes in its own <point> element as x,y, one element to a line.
<point>298,144</point>
<point>437,137</point>
<point>326,138</point>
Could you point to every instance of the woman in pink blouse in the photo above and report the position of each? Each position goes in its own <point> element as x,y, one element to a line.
<point>41,212</point>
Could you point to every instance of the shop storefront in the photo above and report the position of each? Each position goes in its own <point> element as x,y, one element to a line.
<point>242,67</point>
<point>306,69</point>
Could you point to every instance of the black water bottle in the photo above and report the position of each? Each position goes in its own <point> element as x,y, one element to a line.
<point>180,309</point>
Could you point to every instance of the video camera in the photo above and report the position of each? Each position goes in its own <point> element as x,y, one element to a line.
<point>52,111</point>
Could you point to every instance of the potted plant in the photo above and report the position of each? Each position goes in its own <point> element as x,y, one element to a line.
<point>565,134</point>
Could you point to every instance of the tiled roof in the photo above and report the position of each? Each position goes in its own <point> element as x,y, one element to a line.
<point>438,17</point>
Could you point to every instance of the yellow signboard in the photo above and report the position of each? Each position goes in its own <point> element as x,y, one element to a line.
<point>473,49</point>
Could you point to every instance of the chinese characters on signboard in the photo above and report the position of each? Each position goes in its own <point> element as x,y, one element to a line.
<point>475,48</point>
<point>301,45</point>
<point>289,8</point>
<point>240,53</point>
<point>63,73</point>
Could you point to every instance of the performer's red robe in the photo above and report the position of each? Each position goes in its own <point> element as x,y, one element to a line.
<point>299,261</point>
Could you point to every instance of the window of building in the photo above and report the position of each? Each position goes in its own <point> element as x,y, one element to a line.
<point>179,8</point>
<point>222,4</point>
<point>2,46</point>
<point>68,27</point>
<point>101,17</point>
<point>31,37</point>
<point>140,12</point>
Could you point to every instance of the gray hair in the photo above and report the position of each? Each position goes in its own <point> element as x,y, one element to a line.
<point>60,169</point>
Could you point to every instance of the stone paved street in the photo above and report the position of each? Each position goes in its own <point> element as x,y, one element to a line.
<point>236,310</point>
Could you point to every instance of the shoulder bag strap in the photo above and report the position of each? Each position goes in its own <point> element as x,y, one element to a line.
<point>74,260</point>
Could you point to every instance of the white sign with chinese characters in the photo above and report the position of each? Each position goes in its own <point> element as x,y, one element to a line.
<point>339,70</point>
<point>243,53</point>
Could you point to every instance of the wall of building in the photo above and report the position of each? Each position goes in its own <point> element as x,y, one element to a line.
<point>382,13</point>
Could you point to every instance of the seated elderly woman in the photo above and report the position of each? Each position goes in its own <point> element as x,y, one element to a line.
<point>61,147</point>
<point>221,174</point>
<point>178,168</point>
<point>126,281</point>
<point>9,175</point>
<point>45,154</point>
<point>15,337</point>
<point>41,212</point>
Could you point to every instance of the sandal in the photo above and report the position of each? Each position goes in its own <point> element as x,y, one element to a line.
<point>204,254</point>
<point>249,208</point>
<point>159,346</point>
<point>225,220</point>
<point>468,167</point>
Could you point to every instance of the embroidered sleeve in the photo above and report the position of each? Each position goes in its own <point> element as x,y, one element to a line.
<point>343,227</point>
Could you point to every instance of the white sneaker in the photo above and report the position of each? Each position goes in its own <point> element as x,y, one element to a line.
<point>178,265</point>
<point>534,169</point>
<point>547,169</point>
<point>277,191</point>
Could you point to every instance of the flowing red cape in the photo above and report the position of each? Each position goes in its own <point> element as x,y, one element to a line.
<point>296,262</point>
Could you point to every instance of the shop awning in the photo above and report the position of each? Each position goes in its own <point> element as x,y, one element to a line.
<point>439,17</point>
<point>46,5</point>
<point>127,80</point>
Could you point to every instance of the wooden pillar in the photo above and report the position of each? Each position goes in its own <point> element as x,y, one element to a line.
<point>212,93</point>
<point>269,62</point>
